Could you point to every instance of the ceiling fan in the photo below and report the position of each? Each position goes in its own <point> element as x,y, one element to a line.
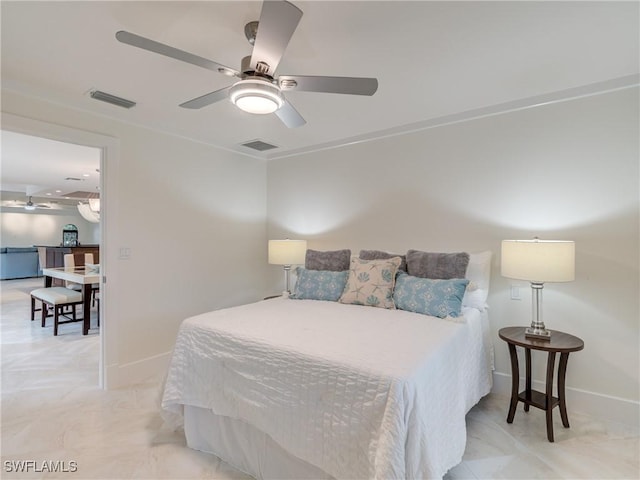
<point>259,91</point>
<point>29,205</point>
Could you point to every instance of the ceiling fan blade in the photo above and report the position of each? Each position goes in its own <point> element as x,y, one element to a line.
<point>278,20</point>
<point>290,116</point>
<point>345,85</point>
<point>207,99</point>
<point>157,47</point>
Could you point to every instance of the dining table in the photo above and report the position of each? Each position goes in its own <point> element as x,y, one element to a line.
<point>81,275</point>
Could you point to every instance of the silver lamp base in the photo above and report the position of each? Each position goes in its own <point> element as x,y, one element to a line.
<point>539,333</point>
<point>537,329</point>
<point>287,269</point>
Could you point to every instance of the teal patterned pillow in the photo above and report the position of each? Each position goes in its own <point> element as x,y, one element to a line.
<point>438,298</point>
<point>371,282</point>
<point>319,284</point>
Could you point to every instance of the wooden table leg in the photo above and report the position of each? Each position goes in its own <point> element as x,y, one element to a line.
<point>562,371</point>
<point>527,358</point>
<point>515,382</point>
<point>549,393</point>
<point>48,282</point>
<point>86,306</point>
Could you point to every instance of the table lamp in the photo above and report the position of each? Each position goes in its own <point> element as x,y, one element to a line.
<point>538,261</point>
<point>287,252</point>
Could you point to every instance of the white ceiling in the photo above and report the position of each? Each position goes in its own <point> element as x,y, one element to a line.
<point>435,61</point>
<point>46,169</point>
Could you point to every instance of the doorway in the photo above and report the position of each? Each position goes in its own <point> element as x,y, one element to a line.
<point>107,150</point>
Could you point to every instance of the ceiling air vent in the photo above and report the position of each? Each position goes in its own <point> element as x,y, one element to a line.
<point>259,145</point>
<point>112,99</point>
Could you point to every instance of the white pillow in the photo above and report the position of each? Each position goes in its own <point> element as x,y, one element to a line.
<point>479,276</point>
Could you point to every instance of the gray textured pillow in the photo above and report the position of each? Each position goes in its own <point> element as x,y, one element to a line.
<point>333,261</point>
<point>380,255</point>
<point>437,265</point>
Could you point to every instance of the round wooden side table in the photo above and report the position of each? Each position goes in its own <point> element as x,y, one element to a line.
<point>561,343</point>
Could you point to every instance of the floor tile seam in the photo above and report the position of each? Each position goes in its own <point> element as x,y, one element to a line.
<point>529,453</point>
<point>520,446</point>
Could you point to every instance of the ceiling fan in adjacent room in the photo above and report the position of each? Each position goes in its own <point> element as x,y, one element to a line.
<point>259,91</point>
<point>29,205</point>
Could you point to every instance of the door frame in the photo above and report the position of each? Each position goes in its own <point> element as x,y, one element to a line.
<point>109,159</point>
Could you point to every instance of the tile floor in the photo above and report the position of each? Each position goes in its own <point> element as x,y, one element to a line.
<point>53,411</point>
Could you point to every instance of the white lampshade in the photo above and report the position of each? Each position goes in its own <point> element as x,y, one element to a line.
<point>287,252</point>
<point>538,261</point>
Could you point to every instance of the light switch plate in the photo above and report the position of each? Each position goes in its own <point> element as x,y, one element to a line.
<point>515,292</point>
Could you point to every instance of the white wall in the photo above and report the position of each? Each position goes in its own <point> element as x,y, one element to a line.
<point>193,219</point>
<point>562,171</point>
<point>24,229</point>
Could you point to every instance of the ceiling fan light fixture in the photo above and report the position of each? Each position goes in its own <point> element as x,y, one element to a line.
<point>29,205</point>
<point>256,96</point>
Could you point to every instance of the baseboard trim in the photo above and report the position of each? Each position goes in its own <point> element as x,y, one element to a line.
<point>590,403</point>
<point>119,376</point>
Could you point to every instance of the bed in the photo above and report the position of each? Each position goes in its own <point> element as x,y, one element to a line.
<point>286,388</point>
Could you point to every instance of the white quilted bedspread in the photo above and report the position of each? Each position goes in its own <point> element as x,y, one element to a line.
<point>359,392</point>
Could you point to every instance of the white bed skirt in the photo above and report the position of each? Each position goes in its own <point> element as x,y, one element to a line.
<point>244,447</point>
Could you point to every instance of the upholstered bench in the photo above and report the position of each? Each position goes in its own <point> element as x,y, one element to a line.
<point>57,298</point>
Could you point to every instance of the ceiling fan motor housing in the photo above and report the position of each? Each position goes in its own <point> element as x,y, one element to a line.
<point>261,69</point>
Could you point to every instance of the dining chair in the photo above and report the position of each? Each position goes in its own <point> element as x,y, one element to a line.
<point>69,262</point>
<point>95,287</point>
<point>56,298</point>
